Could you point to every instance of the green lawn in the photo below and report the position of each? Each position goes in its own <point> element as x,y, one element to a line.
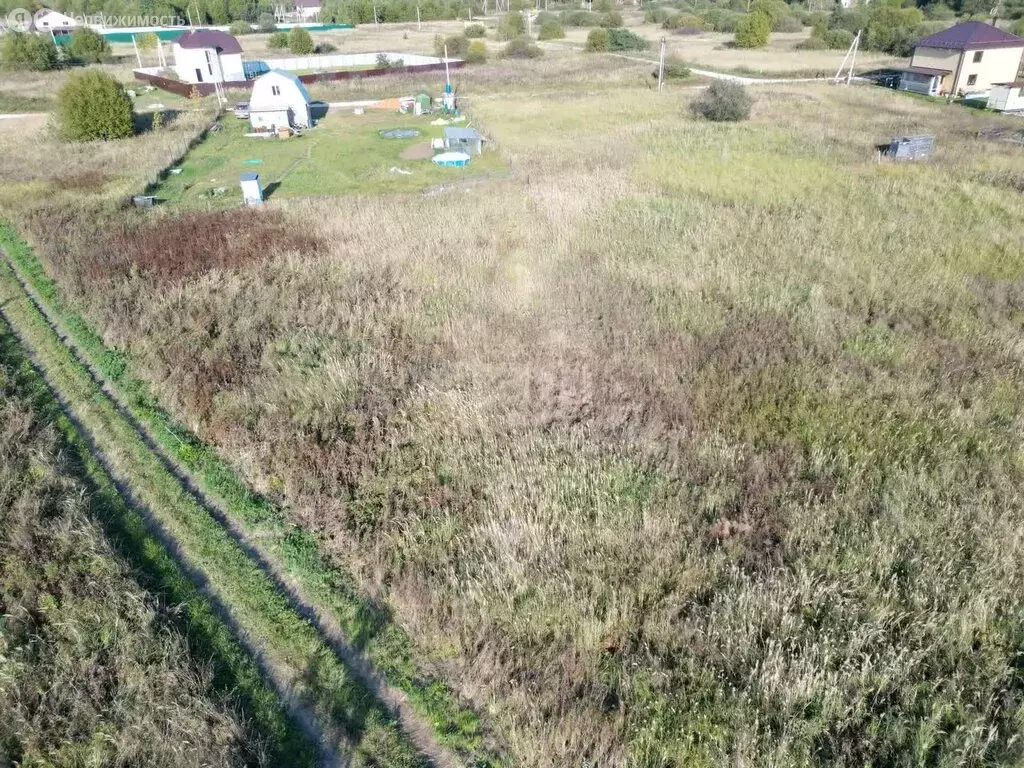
<point>343,154</point>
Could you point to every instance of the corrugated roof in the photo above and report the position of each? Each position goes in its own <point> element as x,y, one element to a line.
<point>209,38</point>
<point>927,71</point>
<point>248,176</point>
<point>461,134</point>
<point>971,35</point>
<point>290,76</point>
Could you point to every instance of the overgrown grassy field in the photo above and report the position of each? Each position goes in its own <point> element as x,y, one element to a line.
<point>343,154</point>
<point>688,444</point>
<point>94,670</point>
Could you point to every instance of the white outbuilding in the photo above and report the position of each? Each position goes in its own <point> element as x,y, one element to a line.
<point>208,56</point>
<point>46,20</point>
<point>1007,97</point>
<point>279,100</point>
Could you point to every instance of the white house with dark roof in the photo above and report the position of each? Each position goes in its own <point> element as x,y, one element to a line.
<point>279,100</point>
<point>966,58</point>
<point>208,56</point>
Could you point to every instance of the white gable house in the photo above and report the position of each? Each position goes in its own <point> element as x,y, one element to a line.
<point>53,21</point>
<point>208,56</point>
<point>279,100</point>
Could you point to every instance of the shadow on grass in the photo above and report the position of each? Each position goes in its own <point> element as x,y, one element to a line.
<point>148,121</point>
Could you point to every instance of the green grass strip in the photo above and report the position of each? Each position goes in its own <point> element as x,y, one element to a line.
<point>234,671</point>
<point>368,627</point>
<point>349,715</point>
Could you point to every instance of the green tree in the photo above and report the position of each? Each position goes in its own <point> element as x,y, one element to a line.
<point>753,30</point>
<point>624,40</point>
<point>266,23</point>
<point>510,26</point>
<point>88,46</point>
<point>891,29</point>
<point>477,53</point>
<point>278,40</point>
<point>146,41</point>
<point>597,40</point>
<point>475,30</point>
<point>93,105</point>
<point>240,27</point>
<point>300,42</point>
<point>19,50</point>
<point>551,30</point>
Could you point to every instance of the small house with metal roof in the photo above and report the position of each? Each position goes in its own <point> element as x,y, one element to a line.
<point>208,56</point>
<point>967,58</point>
<point>466,140</point>
<point>279,100</point>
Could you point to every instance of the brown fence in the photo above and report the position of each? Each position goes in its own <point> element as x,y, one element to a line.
<point>204,89</point>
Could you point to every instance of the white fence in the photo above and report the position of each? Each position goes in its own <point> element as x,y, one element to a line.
<point>334,61</point>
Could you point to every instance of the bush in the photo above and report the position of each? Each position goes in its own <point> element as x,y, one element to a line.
<point>723,101</point>
<point>93,105</point>
<point>598,40</point>
<point>511,26</point>
<point>624,40</point>
<point>611,19</point>
<point>939,12</point>
<point>240,27</point>
<point>300,42</point>
<point>146,41</point>
<point>278,40</point>
<point>818,22</point>
<point>19,50</point>
<point>521,48</point>
<point>325,48</point>
<point>88,46</point>
<point>457,46</point>
<point>675,69</point>
<point>580,19</point>
<point>753,31</point>
<point>1017,28</point>
<point>683,22</point>
<point>477,53</point>
<point>266,23</point>
<point>788,24</point>
<point>721,20</point>
<point>551,30</point>
<point>658,15</point>
<point>775,10</point>
<point>385,62</point>
<point>475,30</point>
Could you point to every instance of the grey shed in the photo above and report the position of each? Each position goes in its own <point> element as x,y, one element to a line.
<point>463,140</point>
<point>912,147</point>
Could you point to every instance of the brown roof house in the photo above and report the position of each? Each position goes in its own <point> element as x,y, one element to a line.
<point>966,58</point>
<point>208,56</point>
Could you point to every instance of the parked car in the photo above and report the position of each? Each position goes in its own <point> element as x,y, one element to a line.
<point>242,110</point>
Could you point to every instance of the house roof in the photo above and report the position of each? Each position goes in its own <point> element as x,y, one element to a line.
<point>971,35</point>
<point>927,71</point>
<point>461,134</point>
<point>249,176</point>
<point>287,76</point>
<point>209,38</point>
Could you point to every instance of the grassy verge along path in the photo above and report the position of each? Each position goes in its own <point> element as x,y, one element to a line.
<point>337,710</point>
<point>233,669</point>
<point>378,651</point>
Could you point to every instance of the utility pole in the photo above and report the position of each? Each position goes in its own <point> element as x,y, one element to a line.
<point>851,56</point>
<point>135,45</point>
<point>661,65</point>
<point>417,18</point>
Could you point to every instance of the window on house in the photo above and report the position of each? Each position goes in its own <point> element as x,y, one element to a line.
<point>977,56</point>
<point>972,79</point>
<point>276,90</point>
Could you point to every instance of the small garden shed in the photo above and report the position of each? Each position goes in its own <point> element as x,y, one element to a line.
<point>463,140</point>
<point>279,100</point>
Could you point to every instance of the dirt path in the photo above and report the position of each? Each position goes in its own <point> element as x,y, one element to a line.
<point>283,678</point>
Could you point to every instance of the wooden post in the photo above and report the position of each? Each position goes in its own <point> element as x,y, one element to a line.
<point>661,65</point>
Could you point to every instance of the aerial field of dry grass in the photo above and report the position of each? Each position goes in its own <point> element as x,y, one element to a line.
<point>688,444</point>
